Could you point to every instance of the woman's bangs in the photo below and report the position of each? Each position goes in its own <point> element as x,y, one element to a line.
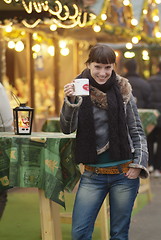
<point>105,56</point>
<point>103,59</point>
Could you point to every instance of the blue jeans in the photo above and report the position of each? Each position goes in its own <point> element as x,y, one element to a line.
<point>91,193</point>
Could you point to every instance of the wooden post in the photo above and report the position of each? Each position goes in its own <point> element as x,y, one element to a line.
<point>75,59</point>
<point>56,77</point>
<point>30,70</point>
<point>50,218</point>
<point>2,57</point>
<point>7,66</point>
<point>30,74</point>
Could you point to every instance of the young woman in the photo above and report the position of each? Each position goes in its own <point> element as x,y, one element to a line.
<point>110,142</point>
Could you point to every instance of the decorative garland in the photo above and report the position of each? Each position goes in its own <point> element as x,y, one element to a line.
<point>65,14</point>
<point>115,17</point>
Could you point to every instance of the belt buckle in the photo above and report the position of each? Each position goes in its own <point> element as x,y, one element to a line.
<point>97,171</point>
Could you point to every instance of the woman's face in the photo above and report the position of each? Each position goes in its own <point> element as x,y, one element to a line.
<point>100,72</point>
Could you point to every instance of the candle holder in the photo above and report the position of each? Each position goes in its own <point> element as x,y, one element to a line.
<point>23,118</point>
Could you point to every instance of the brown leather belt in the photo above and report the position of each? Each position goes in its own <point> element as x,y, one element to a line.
<point>122,168</point>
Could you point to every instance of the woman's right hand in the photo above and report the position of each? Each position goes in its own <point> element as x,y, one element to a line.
<point>69,91</point>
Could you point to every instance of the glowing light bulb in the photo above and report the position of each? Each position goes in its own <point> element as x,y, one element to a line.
<point>64,51</point>
<point>134,22</point>
<point>156,18</point>
<point>36,48</point>
<point>96,28</point>
<point>19,46</point>
<point>8,28</point>
<point>51,50</point>
<point>145,53</point>
<point>62,44</point>
<point>35,36</point>
<point>116,53</point>
<point>158,34</point>
<point>11,44</point>
<point>129,54</point>
<point>146,58</point>
<point>103,16</point>
<point>129,45</point>
<point>145,11</point>
<point>53,27</point>
<point>23,33</point>
<point>135,40</point>
<point>34,55</point>
<point>158,1</point>
<point>126,2</point>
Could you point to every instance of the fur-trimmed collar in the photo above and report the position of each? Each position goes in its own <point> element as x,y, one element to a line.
<point>125,87</point>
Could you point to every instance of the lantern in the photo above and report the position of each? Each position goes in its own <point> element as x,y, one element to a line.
<point>23,117</point>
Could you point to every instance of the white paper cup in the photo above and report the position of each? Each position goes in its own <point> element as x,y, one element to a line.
<point>81,87</point>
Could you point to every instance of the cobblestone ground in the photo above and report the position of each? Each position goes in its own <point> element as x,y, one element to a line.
<point>146,225</point>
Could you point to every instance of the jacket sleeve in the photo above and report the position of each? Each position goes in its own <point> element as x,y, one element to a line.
<point>138,139</point>
<point>6,115</point>
<point>69,115</point>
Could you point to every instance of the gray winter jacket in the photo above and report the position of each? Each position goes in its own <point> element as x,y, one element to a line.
<point>137,138</point>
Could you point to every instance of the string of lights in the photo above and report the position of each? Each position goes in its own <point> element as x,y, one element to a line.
<point>63,16</point>
<point>111,19</point>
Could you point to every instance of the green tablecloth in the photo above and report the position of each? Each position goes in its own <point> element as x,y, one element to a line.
<point>51,125</point>
<point>149,119</point>
<point>41,160</point>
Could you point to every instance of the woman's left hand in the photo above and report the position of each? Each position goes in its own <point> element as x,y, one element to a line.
<point>133,173</point>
